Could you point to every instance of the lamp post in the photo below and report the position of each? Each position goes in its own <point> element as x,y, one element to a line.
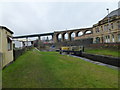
<point>108,19</point>
<point>108,37</point>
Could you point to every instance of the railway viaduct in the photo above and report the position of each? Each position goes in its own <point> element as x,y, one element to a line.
<point>70,35</point>
<point>61,36</point>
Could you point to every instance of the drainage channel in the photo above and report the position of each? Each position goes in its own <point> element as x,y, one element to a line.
<point>95,62</point>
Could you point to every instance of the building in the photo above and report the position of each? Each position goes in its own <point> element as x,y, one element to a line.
<point>108,29</point>
<point>6,46</point>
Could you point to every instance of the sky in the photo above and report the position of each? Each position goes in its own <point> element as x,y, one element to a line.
<point>25,18</point>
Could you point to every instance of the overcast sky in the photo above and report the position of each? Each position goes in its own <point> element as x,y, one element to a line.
<point>40,17</point>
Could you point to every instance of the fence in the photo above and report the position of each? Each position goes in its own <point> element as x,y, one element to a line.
<point>19,52</point>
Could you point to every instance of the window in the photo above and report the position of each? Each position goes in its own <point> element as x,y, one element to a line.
<point>97,29</point>
<point>118,37</point>
<point>108,27</point>
<point>101,28</point>
<point>97,40</point>
<point>118,24</point>
<point>9,43</point>
<point>107,38</point>
<point>113,39</point>
<point>112,26</point>
<point>105,27</point>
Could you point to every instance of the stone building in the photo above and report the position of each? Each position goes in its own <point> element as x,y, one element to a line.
<point>108,29</point>
<point>6,46</point>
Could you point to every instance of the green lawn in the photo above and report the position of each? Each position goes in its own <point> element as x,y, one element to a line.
<point>103,52</point>
<point>37,69</point>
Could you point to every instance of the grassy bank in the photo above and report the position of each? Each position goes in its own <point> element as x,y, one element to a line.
<point>37,69</point>
<point>106,52</point>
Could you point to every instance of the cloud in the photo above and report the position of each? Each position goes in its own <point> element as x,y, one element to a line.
<point>40,17</point>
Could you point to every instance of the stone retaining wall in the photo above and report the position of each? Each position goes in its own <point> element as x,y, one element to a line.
<point>104,59</point>
<point>84,42</point>
<point>113,46</point>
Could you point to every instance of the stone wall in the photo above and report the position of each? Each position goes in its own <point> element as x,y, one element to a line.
<point>82,42</point>
<point>104,59</point>
<point>18,53</point>
<point>115,46</point>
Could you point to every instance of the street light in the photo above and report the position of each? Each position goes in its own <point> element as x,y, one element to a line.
<point>108,19</point>
<point>108,37</point>
<point>107,10</point>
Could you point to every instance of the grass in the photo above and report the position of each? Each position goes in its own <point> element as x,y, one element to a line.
<point>37,69</point>
<point>106,52</point>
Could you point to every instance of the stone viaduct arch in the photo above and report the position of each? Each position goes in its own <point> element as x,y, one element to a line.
<point>71,34</point>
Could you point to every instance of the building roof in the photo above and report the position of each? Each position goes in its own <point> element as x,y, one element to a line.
<point>3,27</point>
<point>112,16</point>
<point>114,13</point>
